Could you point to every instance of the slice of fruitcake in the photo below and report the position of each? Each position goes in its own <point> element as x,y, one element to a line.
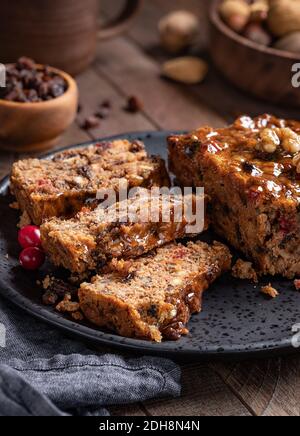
<point>124,230</point>
<point>154,296</point>
<point>251,172</point>
<point>60,186</point>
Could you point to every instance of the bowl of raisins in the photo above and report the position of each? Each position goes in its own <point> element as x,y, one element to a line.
<point>37,104</point>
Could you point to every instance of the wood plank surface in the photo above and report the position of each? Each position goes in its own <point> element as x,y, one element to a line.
<point>93,91</point>
<point>269,387</point>
<point>204,394</point>
<point>141,78</point>
<point>131,65</point>
<point>6,160</point>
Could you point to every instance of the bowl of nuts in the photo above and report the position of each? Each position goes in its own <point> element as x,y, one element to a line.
<point>37,105</point>
<point>256,45</point>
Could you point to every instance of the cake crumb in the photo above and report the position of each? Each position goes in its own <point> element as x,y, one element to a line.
<point>78,316</point>
<point>270,291</point>
<point>24,220</point>
<point>67,306</point>
<point>14,205</point>
<point>245,271</point>
<point>76,279</point>
<point>297,284</point>
<point>57,290</point>
<point>47,282</point>
<point>49,298</point>
<point>122,267</point>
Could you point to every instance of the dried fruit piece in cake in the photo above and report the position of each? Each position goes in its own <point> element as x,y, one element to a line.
<point>154,296</point>
<point>61,186</point>
<point>251,175</point>
<point>127,229</point>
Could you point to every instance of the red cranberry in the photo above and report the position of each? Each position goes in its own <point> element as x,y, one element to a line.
<point>297,284</point>
<point>180,253</point>
<point>254,195</point>
<point>32,258</point>
<point>286,225</point>
<point>29,236</point>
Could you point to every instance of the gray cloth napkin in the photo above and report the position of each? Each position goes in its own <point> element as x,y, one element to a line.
<point>44,373</point>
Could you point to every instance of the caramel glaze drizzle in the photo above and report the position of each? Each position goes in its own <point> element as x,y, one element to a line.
<point>273,174</point>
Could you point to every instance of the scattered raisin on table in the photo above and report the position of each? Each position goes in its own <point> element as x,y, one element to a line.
<point>106,104</point>
<point>90,123</point>
<point>134,105</point>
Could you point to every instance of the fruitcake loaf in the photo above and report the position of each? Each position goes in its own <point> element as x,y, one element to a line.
<point>154,296</point>
<point>251,171</point>
<point>127,229</point>
<point>61,186</point>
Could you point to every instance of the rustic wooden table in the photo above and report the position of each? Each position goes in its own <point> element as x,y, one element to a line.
<point>130,65</point>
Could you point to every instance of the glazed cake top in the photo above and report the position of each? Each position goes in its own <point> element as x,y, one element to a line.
<point>242,151</point>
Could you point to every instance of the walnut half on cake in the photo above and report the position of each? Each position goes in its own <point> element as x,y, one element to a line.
<point>251,172</point>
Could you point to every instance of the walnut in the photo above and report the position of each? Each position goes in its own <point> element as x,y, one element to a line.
<point>178,31</point>
<point>235,13</point>
<point>290,140</point>
<point>296,162</point>
<point>269,141</point>
<point>284,17</point>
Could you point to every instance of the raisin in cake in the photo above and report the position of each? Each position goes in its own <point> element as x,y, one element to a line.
<point>251,171</point>
<point>61,186</point>
<point>154,296</point>
<point>127,229</point>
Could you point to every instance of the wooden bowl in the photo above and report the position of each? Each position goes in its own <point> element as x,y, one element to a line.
<point>262,71</point>
<point>38,126</point>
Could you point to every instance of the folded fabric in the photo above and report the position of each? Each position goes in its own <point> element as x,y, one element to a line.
<point>42,372</point>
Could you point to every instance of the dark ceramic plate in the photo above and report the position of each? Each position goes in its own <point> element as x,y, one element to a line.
<point>237,319</point>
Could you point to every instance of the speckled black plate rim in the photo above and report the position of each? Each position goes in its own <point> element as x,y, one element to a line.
<point>170,349</point>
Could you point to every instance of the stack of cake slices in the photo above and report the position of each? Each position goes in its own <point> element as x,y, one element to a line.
<point>145,282</point>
